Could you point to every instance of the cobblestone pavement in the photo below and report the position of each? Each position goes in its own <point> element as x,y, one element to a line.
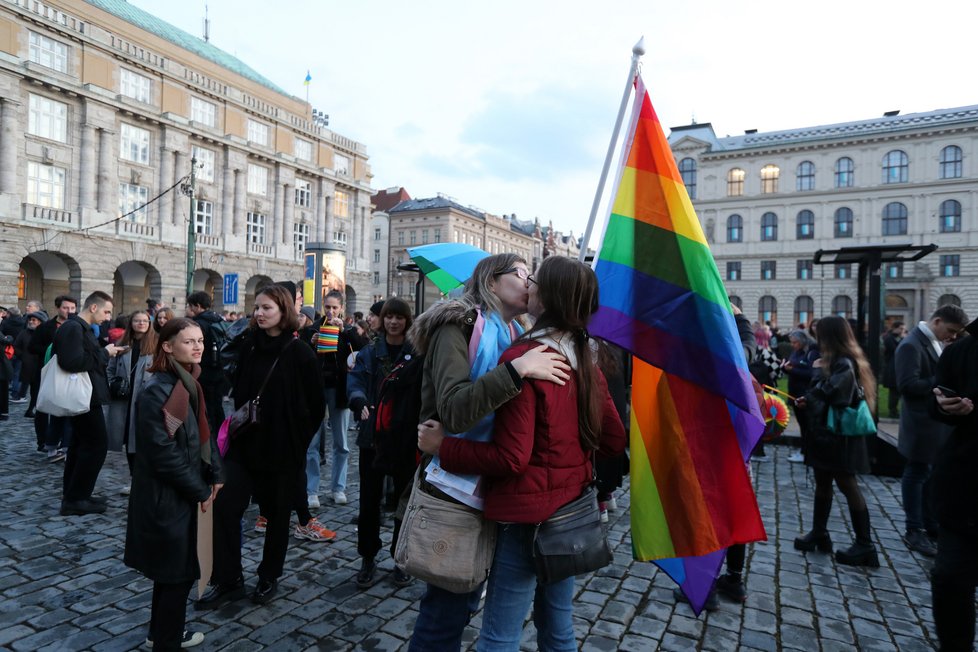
<point>64,587</point>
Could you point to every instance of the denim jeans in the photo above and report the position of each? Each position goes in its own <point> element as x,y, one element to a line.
<point>339,423</point>
<point>512,588</point>
<point>442,617</point>
<point>915,487</point>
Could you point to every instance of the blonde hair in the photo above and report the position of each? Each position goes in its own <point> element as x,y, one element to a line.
<point>478,289</point>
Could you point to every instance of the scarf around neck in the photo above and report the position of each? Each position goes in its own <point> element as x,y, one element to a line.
<point>177,406</point>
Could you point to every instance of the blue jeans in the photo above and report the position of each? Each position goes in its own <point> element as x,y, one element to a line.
<point>915,487</point>
<point>312,464</point>
<point>442,617</point>
<point>512,588</point>
<point>339,423</point>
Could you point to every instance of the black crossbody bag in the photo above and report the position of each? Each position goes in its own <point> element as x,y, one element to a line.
<point>248,416</point>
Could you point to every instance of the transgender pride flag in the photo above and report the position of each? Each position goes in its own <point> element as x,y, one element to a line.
<point>695,416</point>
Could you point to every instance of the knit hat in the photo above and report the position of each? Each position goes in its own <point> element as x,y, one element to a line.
<point>288,285</point>
<point>40,315</point>
<point>377,307</point>
<point>309,312</point>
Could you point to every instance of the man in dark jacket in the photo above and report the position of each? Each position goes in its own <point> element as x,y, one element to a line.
<point>921,437</point>
<point>211,374</point>
<point>891,341</point>
<point>78,351</point>
<point>955,573</point>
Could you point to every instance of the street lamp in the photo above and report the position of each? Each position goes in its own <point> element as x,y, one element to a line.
<point>189,190</point>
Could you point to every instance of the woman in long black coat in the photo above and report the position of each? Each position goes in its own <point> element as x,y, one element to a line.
<point>176,468</point>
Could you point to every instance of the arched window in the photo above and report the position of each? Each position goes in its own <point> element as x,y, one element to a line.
<point>896,167</point>
<point>844,172</point>
<point>805,176</point>
<point>951,162</point>
<point>804,309</point>
<point>843,222</point>
<point>842,306</point>
<point>949,300</point>
<point>950,216</point>
<point>769,227</point>
<point>767,309</point>
<point>735,228</point>
<point>806,225</point>
<point>687,170</point>
<point>735,301</point>
<point>735,182</point>
<point>895,219</point>
<point>769,178</point>
<point>21,284</point>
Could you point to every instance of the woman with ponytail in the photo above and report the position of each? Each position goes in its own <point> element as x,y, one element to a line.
<point>176,468</point>
<point>539,457</point>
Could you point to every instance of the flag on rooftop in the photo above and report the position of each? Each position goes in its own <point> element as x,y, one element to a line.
<point>308,78</point>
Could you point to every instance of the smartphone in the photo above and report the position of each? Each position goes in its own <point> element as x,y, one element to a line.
<point>948,392</point>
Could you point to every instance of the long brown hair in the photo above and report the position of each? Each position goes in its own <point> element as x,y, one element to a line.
<point>568,292</point>
<point>836,340</point>
<point>147,343</point>
<point>286,305</point>
<point>161,359</point>
<point>478,289</point>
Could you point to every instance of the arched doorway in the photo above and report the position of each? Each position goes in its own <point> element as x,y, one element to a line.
<point>351,301</point>
<point>252,287</point>
<point>134,282</point>
<point>47,274</point>
<point>949,300</point>
<point>209,281</point>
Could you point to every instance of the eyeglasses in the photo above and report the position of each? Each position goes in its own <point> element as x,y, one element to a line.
<point>530,279</point>
<point>519,271</point>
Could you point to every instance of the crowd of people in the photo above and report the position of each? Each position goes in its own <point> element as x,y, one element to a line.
<point>215,413</point>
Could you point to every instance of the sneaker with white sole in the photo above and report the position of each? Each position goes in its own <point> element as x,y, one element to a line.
<point>797,457</point>
<point>55,456</point>
<point>314,531</point>
<point>261,524</point>
<point>312,501</point>
<point>190,639</point>
<point>339,498</point>
<point>612,504</point>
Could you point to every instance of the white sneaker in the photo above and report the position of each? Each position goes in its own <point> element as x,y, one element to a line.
<point>126,490</point>
<point>612,504</point>
<point>339,498</point>
<point>796,457</point>
<point>312,500</point>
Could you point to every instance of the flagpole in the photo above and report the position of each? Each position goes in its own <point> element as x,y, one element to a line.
<point>637,51</point>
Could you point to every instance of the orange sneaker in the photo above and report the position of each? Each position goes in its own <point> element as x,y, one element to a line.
<point>314,531</point>
<point>261,524</point>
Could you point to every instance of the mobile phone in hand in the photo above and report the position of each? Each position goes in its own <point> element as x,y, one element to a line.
<point>948,392</point>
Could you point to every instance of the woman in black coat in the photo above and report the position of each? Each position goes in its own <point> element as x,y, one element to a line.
<point>177,467</point>
<point>843,371</point>
<point>268,460</point>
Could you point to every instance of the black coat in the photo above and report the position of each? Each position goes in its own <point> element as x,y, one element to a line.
<point>827,450</point>
<point>890,344</point>
<point>916,369</point>
<point>955,474</point>
<point>28,361</point>
<point>292,404</point>
<point>78,351</point>
<point>169,480</point>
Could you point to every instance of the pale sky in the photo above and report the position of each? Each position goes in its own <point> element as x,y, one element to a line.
<point>508,106</point>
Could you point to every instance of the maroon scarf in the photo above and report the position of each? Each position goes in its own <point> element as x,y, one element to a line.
<point>177,406</point>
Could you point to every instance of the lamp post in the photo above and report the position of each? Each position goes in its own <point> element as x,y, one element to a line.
<point>191,226</point>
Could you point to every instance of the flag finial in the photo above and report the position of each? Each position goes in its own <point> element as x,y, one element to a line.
<point>639,48</point>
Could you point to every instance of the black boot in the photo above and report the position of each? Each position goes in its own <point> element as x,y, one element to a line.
<point>862,552</point>
<point>819,537</point>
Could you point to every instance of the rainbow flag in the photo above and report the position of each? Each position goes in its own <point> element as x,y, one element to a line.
<point>328,339</point>
<point>695,416</point>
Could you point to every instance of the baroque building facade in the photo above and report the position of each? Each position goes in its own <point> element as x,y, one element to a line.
<point>103,107</point>
<point>769,201</point>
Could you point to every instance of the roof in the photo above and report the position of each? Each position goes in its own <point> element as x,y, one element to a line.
<point>385,200</point>
<point>859,128</point>
<point>152,24</point>
<point>886,253</point>
<point>434,203</point>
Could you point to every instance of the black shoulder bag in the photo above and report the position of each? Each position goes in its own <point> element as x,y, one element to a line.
<point>244,420</point>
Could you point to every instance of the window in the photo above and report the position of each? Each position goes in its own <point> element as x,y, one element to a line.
<point>806,225</point>
<point>951,265</point>
<point>339,237</point>
<point>257,132</point>
<point>134,144</point>
<point>843,222</point>
<point>45,185</point>
<point>767,309</point>
<point>951,162</point>
<point>736,301</point>
<point>203,112</point>
<point>894,269</point>
<point>805,270</point>
<point>895,219</point>
<point>256,228</point>
<point>844,172</point>
<point>414,236</point>
<point>203,217</point>
<point>341,165</point>
<point>300,236</point>
<point>376,255</point>
<point>896,167</point>
<point>438,235</point>
<point>735,228</point>
<point>48,119</point>
<point>769,178</point>
<point>303,150</point>
<point>949,300</point>
<point>133,198</point>
<point>687,170</point>
<point>733,271</point>
<point>376,278</point>
<point>376,234</point>
<point>205,163</point>
<point>48,52</point>
<point>400,237</point>
<point>804,309</point>
<point>735,182</point>
<point>400,288</point>
<point>257,180</point>
<point>769,227</point>
<point>303,193</point>
<point>950,216</point>
<point>135,86</point>
<point>769,270</point>
<point>843,270</point>
<point>842,306</point>
<point>805,176</point>
<point>341,204</point>
<point>424,236</point>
